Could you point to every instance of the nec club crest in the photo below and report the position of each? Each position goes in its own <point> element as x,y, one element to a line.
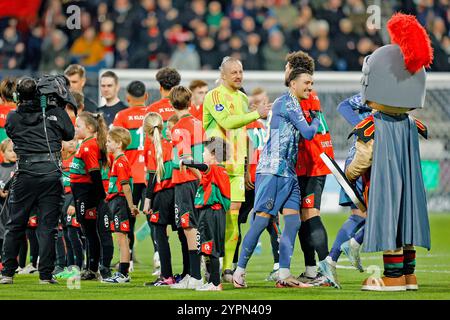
<point>185,220</point>
<point>154,217</point>
<point>308,201</point>
<point>207,247</point>
<point>91,214</point>
<point>125,226</point>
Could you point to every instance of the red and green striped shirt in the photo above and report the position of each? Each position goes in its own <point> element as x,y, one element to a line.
<point>214,189</point>
<point>151,163</point>
<point>87,159</point>
<point>187,138</point>
<point>120,175</point>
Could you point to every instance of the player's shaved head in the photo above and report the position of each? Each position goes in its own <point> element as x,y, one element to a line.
<point>231,73</point>
<point>227,61</point>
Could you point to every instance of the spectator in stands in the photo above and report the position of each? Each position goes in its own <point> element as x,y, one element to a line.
<point>305,43</point>
<point>185,57</point>
<point>262,12</point>
<point>214,15</point>
<point>324,56</point>
<point>274,53</point>
<point>441,61</point>
<point>88,50</point>
<point>122,55</point>
<point>209,56</point>
<point>236,12</point>
<point>345,46</point>
<point>125,19</point>
<point>77,78</point>
<point>166,14</point>
<point>194,15</point>
<point>33,48</point>
<point>152,37</point>
<point>237,50</point>
<point>332,13</point>
<point>286,13</point>
<point>109,89</point>
<point>12,49</point>
<point>253,57</point>
<point>248,27</point>
<point>270,25</point>
<point>356,12</point>
<point>222,40</point>
<point>301,28</point>
<point>55,55</point>
<point>108,39</point>
<point>365,47</point>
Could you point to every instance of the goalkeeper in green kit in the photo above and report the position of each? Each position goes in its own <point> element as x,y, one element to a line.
<point>225,115</point>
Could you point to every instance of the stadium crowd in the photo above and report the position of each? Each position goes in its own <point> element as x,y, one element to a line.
<point>195,35</point>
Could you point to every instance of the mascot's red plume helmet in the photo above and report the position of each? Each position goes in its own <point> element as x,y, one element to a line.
<point>394,75</point>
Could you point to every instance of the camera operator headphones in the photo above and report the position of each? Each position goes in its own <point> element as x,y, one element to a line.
<point>16,94</point>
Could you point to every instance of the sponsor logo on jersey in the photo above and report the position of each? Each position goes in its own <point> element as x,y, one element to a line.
<point>219,107</point>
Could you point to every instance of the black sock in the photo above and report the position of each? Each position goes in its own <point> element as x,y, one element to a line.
<point>306,243</point>
<point>123,268</point>
<point>319,237</point>
<point>236,252</point>
<point>194,263</point>
<point>184,251</point>
<point>215,270</point>
<point>164,250</point>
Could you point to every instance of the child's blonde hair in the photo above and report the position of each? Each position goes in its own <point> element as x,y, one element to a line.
<point>153,126</point>
<point>122,135</point>
<point>4,145</point>
<point>98,124</point>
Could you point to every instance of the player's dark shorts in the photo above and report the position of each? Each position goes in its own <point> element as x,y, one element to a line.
<point>69,220</point>
<point>275,193</point>
<point>247,206</point>
<point>311,189</point>
<point>211,230</point>
<point>163,207</point>
<point>105,218</point>
<point>121,214</point>
<point>85,205</point>
<point>186,215</point>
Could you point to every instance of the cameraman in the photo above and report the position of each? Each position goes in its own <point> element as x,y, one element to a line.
<point>37,183</point>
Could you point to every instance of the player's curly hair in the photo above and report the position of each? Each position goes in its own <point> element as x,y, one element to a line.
<point>301,60</point>
<point>168,78</point>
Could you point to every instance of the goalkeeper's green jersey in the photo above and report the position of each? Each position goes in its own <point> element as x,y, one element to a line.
<point>225,115</point>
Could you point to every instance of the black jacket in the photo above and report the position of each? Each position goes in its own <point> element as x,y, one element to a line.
<point>25,127</point>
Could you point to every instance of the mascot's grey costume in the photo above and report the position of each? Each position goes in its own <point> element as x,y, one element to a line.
<point>387,153</point>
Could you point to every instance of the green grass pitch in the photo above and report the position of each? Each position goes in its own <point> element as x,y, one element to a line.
<point>433,272</point>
